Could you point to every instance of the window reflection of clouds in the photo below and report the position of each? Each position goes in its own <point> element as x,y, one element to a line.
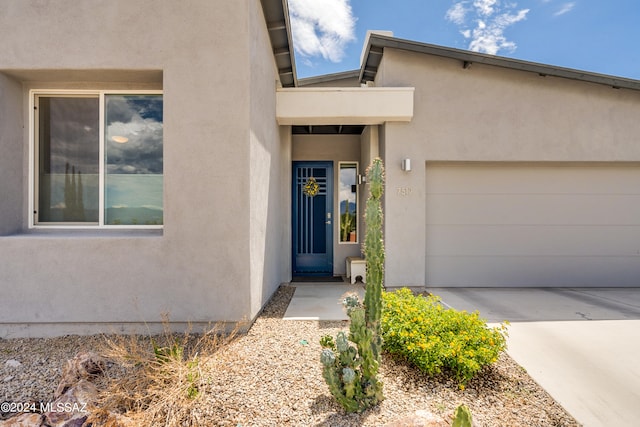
<point>133,144</point>
<point>347,179</point>
<point>139,119</point>
<point>74,134</point>
<point>69,130</point>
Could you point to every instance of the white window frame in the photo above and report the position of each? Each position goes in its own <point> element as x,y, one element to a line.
<point>358,219</point>
<point>33,157</point>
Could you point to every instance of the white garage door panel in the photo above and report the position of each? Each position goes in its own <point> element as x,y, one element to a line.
<point>543,209</point>
<point>491,224</point>
<point>528,272</point>
<point>472,240</point>
<point>528,178</point>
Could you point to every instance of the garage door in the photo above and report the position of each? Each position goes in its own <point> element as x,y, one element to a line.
<point>516,224</point>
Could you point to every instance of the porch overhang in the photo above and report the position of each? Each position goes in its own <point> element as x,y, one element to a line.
<point>344,105</point>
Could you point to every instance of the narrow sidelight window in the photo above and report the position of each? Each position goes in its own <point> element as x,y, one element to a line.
<point>348,203</point>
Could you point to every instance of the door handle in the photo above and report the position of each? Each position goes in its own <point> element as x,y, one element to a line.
<point>328,222</point>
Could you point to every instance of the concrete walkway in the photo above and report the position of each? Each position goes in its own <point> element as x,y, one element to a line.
<point>581,345</point>
<point>320,301</point>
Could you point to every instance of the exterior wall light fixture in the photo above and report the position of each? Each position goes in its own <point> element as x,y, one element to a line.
<point>406,165</point>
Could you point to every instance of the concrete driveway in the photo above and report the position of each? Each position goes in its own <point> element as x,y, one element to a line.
<point>581,344</point>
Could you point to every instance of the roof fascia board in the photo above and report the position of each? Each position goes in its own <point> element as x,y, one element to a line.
<point>285,11</point>
<point>468,58</point>
<point>325,78</point>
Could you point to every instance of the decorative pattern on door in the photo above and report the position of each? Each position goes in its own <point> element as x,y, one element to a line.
<point>312,218</point>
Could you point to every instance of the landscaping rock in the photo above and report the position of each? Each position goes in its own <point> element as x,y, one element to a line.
<point>24,420</point>
<point>12,363</point>
<point>420,418</point>
<point>264,377</point>
<point>71,409</point>
<point>71,399</point>
<point>85,366</point>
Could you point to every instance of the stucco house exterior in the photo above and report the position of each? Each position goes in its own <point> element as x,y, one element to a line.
<point>159,158</point>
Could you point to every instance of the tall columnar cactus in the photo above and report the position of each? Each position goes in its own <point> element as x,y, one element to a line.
<point>374,250</point>
<point>351,372</point>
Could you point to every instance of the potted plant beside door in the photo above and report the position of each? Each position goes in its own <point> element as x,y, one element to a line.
<point>347,224</point>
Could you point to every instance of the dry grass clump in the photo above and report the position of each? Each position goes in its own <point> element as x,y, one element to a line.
<point>156,380</point>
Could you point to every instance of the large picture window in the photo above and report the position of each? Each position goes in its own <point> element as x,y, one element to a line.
<point>98,159</point>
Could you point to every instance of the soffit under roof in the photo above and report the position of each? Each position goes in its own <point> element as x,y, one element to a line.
<point>276,13</point>
<point>377,43</point>
<point>327,130</point>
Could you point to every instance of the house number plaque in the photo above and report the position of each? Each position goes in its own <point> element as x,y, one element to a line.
<point>404,191</point>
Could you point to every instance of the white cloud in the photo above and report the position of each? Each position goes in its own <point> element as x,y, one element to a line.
<point>322,28</point>
<point>347,179</point>
<point>491,19</point>
<point>565,8</point>
<point>457,13</point>
<point>485,7</point>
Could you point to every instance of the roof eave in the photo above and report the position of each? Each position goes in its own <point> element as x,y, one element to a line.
<point>377,43</point>
<point>326,78</point>
<point>276,14</point>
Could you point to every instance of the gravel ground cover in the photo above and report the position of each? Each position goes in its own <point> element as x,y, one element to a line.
<point>271,376</point>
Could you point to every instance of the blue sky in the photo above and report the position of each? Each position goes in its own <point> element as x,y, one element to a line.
<point>600,36</point>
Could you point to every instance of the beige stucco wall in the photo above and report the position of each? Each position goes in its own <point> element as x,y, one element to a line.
<point>269,171</point>
<point>491,113</point>
<point>212,59</point>
<point>369,150</point>
<point>488,113</point>
<point>343,105</point>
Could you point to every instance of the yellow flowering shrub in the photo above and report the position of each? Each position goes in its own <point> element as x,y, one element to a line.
<point>436,339</point>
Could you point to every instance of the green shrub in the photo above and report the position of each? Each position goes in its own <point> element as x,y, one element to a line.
<point>439,340</point>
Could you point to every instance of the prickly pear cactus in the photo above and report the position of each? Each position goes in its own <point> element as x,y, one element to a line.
<point>462,417</point>
<point>351,372</point>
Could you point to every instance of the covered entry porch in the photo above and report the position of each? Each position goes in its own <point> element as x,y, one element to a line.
<point>333,135</point>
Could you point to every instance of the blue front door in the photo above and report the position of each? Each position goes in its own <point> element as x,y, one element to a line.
<point>312,218</point>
